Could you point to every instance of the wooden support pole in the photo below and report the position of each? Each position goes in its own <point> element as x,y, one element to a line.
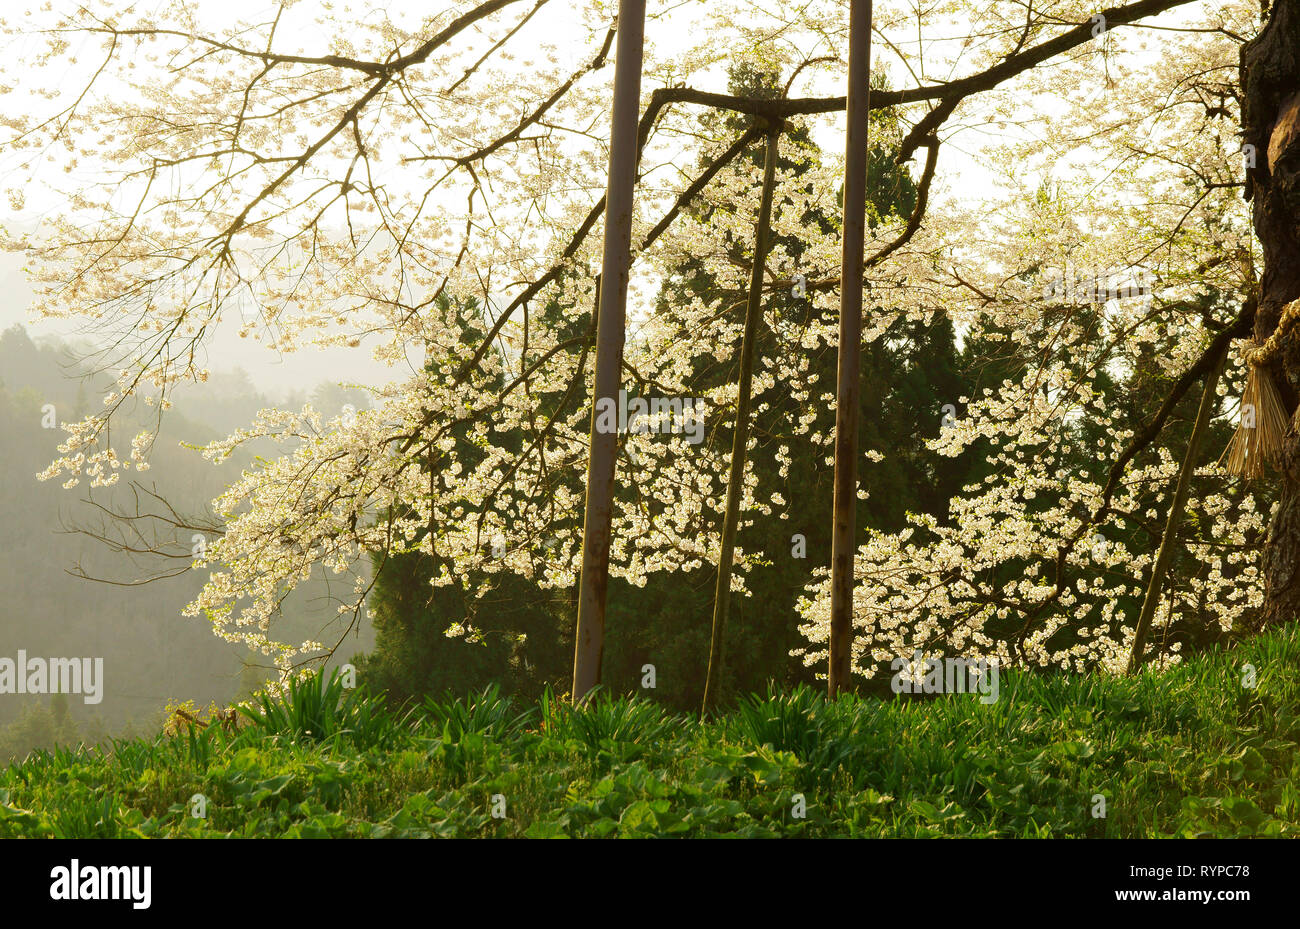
<point>846,412</point>
<point>589,640</point>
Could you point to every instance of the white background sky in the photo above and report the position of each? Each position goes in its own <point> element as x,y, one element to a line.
<point>559,23</point>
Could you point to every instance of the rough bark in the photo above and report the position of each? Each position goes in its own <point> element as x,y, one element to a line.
<point>1270,77</point>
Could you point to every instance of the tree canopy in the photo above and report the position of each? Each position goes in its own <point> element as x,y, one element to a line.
<point>324,176</point>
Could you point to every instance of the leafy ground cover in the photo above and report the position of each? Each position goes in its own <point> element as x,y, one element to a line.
<point>1188,751</point>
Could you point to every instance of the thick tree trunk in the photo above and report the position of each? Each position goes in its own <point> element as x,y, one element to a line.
<point>1270,77</point>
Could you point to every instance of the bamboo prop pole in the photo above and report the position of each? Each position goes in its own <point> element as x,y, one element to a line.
<point>740,435</point>
<point>1169,539</point>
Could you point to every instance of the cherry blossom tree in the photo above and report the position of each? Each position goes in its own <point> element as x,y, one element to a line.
<point>323,178</point>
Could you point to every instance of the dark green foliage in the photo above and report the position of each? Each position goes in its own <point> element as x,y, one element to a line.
<point>485,713</point>
<point>317,708</point>
<point>520,640</point>
<point>803,722</point>
<point>521,646</point>
<point>624,726</point>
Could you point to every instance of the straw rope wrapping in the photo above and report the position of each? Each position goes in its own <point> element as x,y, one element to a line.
<point>1258,439</point>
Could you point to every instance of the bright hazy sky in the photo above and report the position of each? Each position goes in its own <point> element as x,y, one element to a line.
<point>558,24</point>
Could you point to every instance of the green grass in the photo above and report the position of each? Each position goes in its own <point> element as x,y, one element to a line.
<point>1187,752</point>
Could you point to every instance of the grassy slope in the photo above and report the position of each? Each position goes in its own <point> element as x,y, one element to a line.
<point>1181,753</point>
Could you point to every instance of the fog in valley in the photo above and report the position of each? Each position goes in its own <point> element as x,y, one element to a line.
<point>76,582</point>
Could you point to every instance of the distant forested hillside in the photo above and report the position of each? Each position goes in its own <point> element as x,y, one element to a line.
<point>152,654</point>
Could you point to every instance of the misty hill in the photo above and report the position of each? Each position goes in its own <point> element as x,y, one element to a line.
<point>151,653</point>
